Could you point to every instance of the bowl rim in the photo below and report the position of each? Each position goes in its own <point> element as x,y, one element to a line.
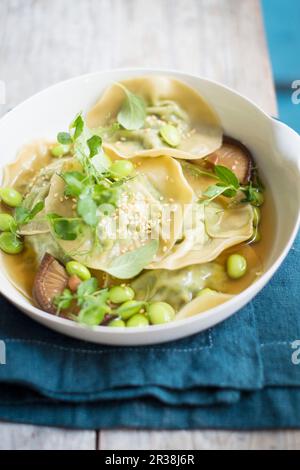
<point>239,300</point>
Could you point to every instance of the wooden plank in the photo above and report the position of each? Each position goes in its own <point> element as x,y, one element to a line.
<point>27,437</point>
<point>200,440</point>
<point>44,42</point>
<point>220,39</point>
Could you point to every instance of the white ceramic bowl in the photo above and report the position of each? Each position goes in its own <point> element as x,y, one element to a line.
<point>275,146</point>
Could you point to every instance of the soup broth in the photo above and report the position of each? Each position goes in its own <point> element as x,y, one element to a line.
<point>21,268</point>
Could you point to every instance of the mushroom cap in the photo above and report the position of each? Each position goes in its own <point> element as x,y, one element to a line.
<point>235,156</point>
<point>50,281</point>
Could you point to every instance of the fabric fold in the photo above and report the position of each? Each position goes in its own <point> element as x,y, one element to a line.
<point>237,375</point>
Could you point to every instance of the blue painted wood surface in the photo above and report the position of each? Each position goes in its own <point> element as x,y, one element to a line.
<point>282,22</point>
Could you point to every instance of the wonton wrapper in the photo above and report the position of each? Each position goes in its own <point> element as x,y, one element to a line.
<point>30,160</point>
<point>202,303</point>
<point>156,179</point>
<point>30,174</point>
<point>208,231</point>
<point>206,136</point>
<point>181,286</point>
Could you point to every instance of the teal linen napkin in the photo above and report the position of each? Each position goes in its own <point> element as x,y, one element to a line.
<point>239,374</point>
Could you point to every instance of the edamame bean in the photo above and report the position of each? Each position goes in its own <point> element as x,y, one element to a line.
<point>137,321</point>
<point>78,269</point>
<point>117,323</point>
<point>160,312</point>
<point>236,266</point>
<point>60,150</point>
<point>11,197</point>
<point>120,294</point>
<point>10,243</point>
<point>129,308</point>
<point>7,222</point>
<point>121,168</point>
<point>205,291</point>
<point>256,216</point>
<point>170,135</point>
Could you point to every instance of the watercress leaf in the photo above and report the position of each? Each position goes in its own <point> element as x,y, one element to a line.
<point>92,314</point>
<point>230,192</point>
<point>100,162</point>
<point>132,263</point>
<point>64,138</point>
<point>87,209</point>
<point>78,126</point>
<point>74,183</point>
<point>94,144</point>
<point>65,229</point>
<point>22,215</point>
<point>133,111</point>
<point>63,301</point>
<point>226,176</point>
<point>39,206</point>
<point>87,287</point>
<point>253,195</point>
<point>214,190</point>
<point>256,181</point>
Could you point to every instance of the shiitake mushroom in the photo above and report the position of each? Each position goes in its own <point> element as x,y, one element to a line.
<point>50,281</point>
<point>235,156</point>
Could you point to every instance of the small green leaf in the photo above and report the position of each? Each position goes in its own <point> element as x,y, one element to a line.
<point>105,195</point>
<point>74,183</point>
<point>65,229</point>
<point>64,300</point>
<point>39,206</point>
<point>22,215</point>
<point>94,144</point>
<point>78,125</point>
<point>100,163</point>
<point>64,138</point>
<point>87,287</point>
<point>226,176</point>
<point>170,135</point>
<point>132,263</point>
<point>133,111</point>
<point>253,195</point>
<point>92,314</point>
<point>230,192</point>
<point>214,191</point>
<point>87,209</point>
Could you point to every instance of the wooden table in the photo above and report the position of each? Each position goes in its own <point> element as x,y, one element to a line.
<point>42,42</point>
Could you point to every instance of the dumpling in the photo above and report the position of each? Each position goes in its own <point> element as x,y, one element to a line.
<point>208,229</point>
<point>197,246</point>
<point>141,208</point>
<point>181,286</point>
<point>30,160</point>
<point>208,299</point>
<point>168,101</point>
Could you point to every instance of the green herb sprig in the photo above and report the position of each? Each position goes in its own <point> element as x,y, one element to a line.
<point>89,300</point>
<point>228,185</point>
<point>92,187</point>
